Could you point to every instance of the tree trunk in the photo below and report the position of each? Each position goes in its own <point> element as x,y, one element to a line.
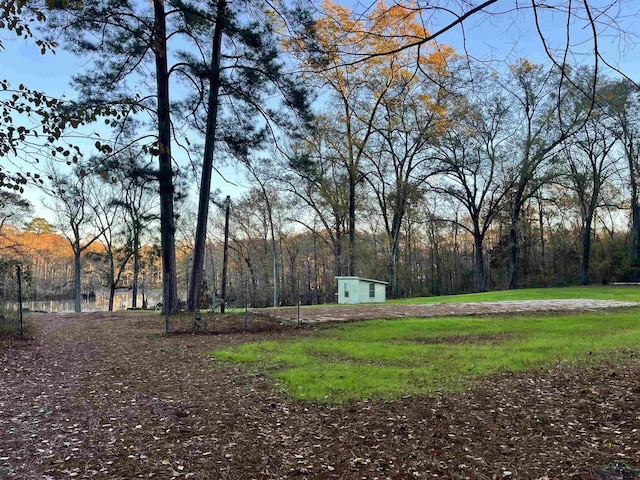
<point>165,170</point>
<point>635,215</point>
<point>77,291</point>
<point>394,243</point>
<point>112,294</point>
<point>112,281</point>
<point>136,269</point>
<point>195,282</point>
<point>352,224</point>
<point>635,237</point>
<point>543,261</point>
<point>455,276</point>
<point>393,268</point>
<point>513,257</point>
<point>586,249</point>
<point>481,285</point>
<point>513,237</point>
<point>276,281</point>
<point>337,251</point>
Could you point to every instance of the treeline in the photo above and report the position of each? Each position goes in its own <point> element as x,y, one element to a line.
<point>437,258</point>
<point>48,262</point>
<point>437,255</point>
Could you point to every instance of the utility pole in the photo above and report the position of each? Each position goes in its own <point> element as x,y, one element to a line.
<point>227,205</point>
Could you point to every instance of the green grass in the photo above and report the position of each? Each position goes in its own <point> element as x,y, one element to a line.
<point>598,292</point>
<point>391,358</point>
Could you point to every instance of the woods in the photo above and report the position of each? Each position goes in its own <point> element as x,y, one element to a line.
<point>362,145</point>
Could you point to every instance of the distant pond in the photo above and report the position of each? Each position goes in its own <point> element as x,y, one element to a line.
<point>95,303</point>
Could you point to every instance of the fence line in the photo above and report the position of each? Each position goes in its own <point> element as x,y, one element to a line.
<point>11,319</point>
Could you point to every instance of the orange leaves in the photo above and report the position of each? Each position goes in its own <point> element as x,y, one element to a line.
<point>396,26</point>
<point>388,42</point>
<point>33,244</point>
<point>439,59</point>
<point>524,66</point>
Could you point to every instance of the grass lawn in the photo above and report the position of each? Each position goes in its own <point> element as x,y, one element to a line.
<point>390,358</point>
<point>598,292</point>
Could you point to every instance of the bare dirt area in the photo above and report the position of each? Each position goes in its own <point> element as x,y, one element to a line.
<point>108,396</point>
<point>311,315</point>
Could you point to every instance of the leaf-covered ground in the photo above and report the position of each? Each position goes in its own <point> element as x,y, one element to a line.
<point>107,396</point>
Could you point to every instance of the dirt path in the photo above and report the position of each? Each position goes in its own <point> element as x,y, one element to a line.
<point>106,396</point>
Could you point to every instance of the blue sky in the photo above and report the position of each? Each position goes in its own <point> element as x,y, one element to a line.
<point>505,34</point>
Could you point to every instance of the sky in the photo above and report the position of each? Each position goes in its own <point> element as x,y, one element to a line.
<point>502,34</point>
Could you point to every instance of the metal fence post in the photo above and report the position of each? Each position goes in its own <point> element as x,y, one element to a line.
<point>19,275</point>
<point>298,313</point>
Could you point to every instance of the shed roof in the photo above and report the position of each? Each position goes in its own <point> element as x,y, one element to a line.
<point>370,280</point>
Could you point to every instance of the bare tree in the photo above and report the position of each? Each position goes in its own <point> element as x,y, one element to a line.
<point>260,171</point>
<point>133,173</point>
<point>472,158</point>
<point>107,216</point>
<point>591,162</point>
<point>360,73</point>
<point>70,204</point>
<point>624,107</point>
<point>538,103</point>
<point>318,183</point>
<point>400,159</point>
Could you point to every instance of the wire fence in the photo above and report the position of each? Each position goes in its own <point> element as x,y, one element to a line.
<point>243,311</point>
<point>11,318</point>
<point>232,321</point>
<point>238,316</point>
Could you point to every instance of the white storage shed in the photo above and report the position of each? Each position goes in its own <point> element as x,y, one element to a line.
<point>361,290</point>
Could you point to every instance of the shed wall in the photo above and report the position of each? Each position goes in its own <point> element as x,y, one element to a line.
<point>353,290</point>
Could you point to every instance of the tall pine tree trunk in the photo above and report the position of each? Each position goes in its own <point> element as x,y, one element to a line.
<point>112,281</point>
<point>195,282</point>
<point>165,170</point>
<point>112,294</point>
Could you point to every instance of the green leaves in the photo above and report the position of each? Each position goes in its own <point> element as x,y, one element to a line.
<point>33,122</point>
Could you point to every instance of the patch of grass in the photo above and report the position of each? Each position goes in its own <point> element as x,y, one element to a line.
<point>390,358</point>
<point>10,330</point>
<point>597,292</point>
<point>10,322</point>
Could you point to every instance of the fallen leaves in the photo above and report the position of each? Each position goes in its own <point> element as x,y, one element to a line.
<point>100,396</point>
